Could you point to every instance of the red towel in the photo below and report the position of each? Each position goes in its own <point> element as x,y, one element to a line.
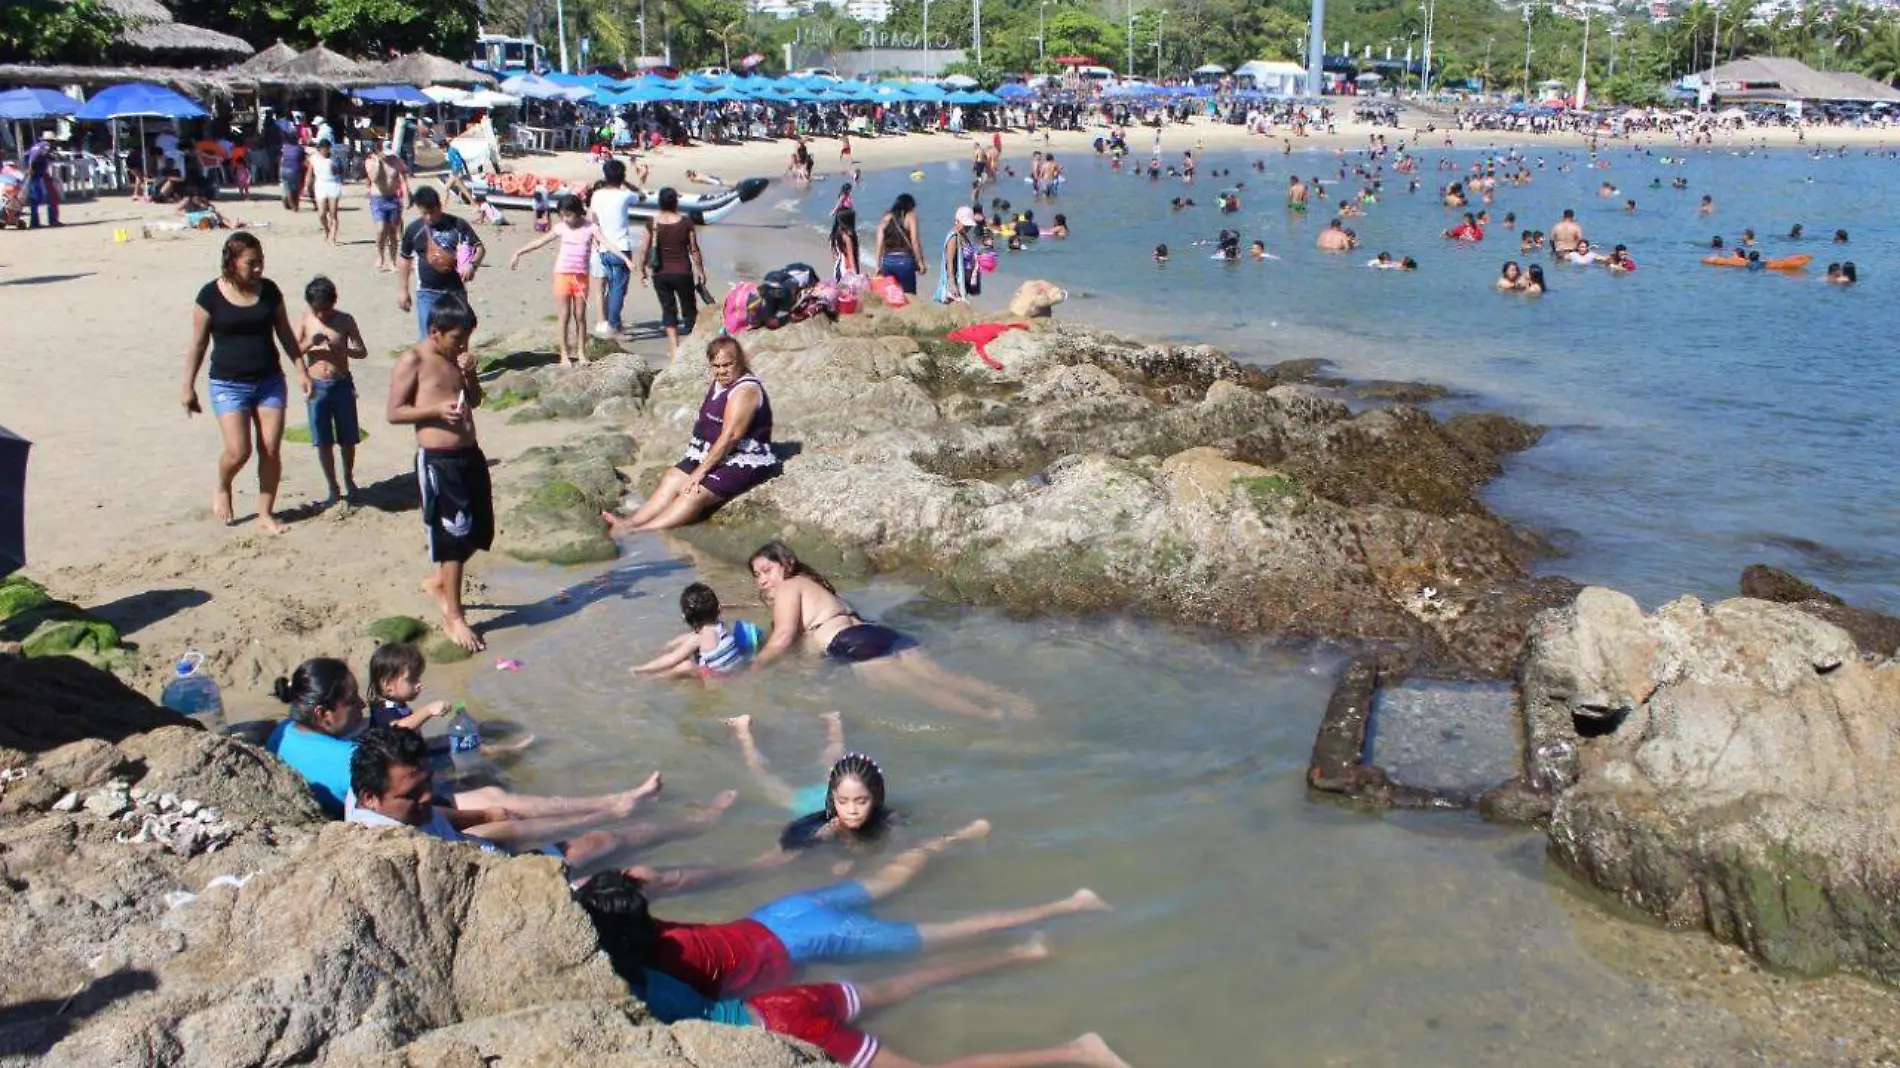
<point>981,335</point>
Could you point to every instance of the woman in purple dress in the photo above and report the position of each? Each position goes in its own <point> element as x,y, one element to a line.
<point>731,450</point>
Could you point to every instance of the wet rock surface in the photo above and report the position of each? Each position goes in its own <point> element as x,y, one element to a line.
<point>1092,474</point>
<point>1733,769</point>
<point>174,899</point>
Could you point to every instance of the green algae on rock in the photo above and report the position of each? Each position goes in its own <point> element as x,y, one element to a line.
<point>549,499</point>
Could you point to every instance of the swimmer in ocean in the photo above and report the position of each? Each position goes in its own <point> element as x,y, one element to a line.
<point>1296,194</point>
<point>1381,262</point>
<point>1334,238</point>
<point>1708,205</point>
<point>1534,284</point>
<point>1511,278</point>
<point>1258,250</point>
<point>1161,254</point>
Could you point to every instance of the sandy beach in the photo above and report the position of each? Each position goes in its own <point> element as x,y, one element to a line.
<point>121,480</point>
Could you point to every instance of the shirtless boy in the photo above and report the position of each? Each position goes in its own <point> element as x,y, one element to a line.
<point>329,340</point>
<point>434,389</point>
<point>388,188</point>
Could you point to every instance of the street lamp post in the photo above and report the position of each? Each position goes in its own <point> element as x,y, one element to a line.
<point>927,67</point>
<point>1130,67</point>
<point>1161,16</point>
<point>642,20</point>
<point>1315,47</point>
<point>1527,53</point>
<point>1485,82</point>
<point>1042,37</point>
<point>976,29</point>
<point>1430,7</point>
<point>1583,67</point>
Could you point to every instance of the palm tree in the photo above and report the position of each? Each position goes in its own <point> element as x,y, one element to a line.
<point>1880,58</point>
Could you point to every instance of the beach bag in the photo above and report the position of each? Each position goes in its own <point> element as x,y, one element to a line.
<point>737,308</point>
<point>986,261</point>
<point>442,258</point>
<point>779,292</point>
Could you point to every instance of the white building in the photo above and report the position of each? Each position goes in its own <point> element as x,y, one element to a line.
<point>868,10</point>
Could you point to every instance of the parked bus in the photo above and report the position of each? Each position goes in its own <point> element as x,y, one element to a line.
<point>505,56</point>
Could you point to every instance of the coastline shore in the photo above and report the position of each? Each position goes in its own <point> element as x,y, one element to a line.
<point>119,490</point>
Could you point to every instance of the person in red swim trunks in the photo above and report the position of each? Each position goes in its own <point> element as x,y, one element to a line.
<point>830,923</point>
<point>823,1014</point>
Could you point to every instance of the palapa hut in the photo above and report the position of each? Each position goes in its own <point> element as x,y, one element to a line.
<point>319,64</point>
<point>421,68</point>
<point>266,61</point>
<point>151,34</point>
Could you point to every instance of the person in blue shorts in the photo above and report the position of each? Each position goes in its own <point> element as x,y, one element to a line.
<point>823,1014</point>
<point>831,923</point>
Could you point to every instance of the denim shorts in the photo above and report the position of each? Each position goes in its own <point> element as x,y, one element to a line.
<point>828,924</point>
<point>228,397</point>
<point>332,412</point>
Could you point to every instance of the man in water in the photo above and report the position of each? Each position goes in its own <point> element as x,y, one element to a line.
<point>1334,238</point>
<point>388,179</point>
<point>1566,235</point>
<point>1295,195</point>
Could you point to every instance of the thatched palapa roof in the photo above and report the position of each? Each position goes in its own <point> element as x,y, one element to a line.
<point>421,68</point>
<point>320,63</point>
<point>149,27</point>
<point>198,84</point>
<point>266,61</point>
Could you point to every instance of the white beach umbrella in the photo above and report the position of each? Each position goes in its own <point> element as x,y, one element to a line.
<point>445,94</point>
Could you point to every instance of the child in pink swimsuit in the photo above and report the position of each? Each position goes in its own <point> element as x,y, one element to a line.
<point>579,239</point>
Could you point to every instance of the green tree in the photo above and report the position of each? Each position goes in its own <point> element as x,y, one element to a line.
<point>379,27</point>
<point>57,31</point>
<point>1880,56</point>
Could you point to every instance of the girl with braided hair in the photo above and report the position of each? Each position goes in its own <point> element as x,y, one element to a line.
<point>806,606</point>
<point>849,808</point>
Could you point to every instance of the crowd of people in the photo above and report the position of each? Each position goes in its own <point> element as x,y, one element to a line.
<point>362,752</point>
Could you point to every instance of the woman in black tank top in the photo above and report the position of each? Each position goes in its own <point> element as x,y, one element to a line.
<point>671,257</point>
<point>241,319</point>
<point>897,243</point>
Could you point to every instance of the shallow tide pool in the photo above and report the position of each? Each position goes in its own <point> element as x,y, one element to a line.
<point>1252,925</point>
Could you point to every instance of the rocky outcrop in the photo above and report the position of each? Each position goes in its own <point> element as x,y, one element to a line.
<point>1728,766</point>
<point>1873,632</point>
<point>1091,474</point>
<point>175,899</point>
<point>49,702</point>
<point>550,499</point>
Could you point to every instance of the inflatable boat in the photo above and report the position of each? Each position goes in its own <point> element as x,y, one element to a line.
<point>702,209</point>
<point>1784,263</point>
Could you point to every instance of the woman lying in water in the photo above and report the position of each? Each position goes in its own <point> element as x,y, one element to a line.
<point>804,605</point>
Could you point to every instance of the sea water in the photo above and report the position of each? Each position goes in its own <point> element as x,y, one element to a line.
<point>1166,771</point>
<point>1701,418</point>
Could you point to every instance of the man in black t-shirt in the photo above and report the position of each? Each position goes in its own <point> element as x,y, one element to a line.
<point>442,251</point>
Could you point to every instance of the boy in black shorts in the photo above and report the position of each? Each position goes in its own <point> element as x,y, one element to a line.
<point>434,389</point>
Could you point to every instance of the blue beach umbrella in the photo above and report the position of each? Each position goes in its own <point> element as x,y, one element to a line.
<point>407,95</point>
<point>139,100</point>
<point>25,105</point>
<point>1015,91</point>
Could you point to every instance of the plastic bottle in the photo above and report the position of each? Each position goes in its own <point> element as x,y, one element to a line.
<point>465,739</point>
<point>194,693</point>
